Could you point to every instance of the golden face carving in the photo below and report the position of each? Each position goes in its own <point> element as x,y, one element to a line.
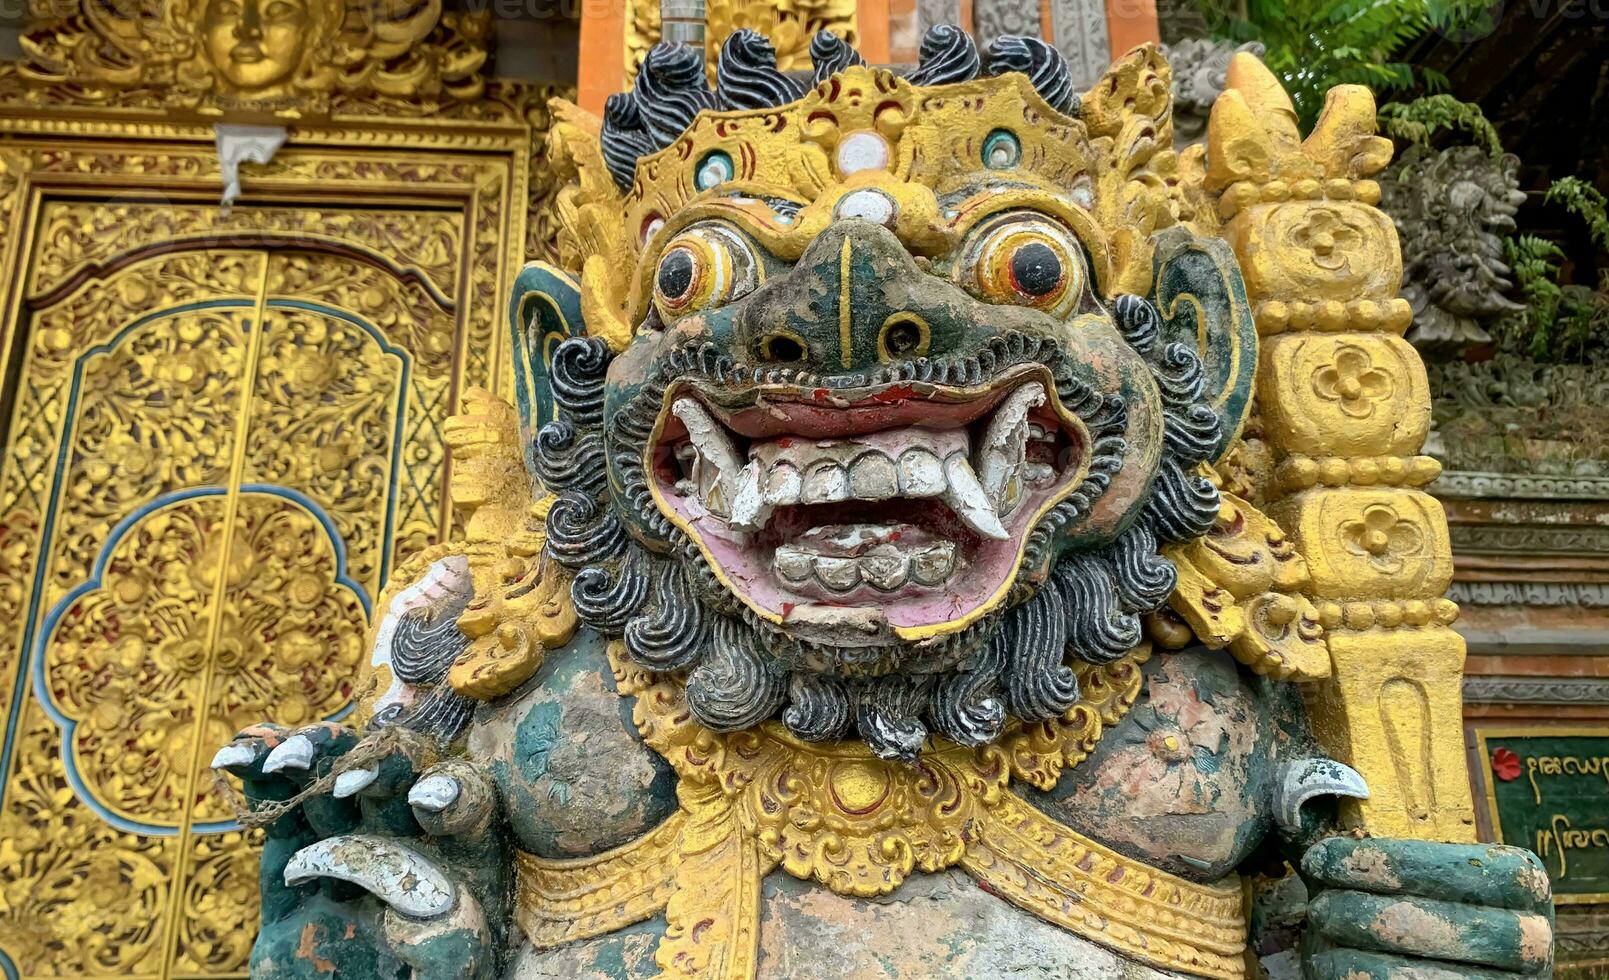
<point>256,44</point>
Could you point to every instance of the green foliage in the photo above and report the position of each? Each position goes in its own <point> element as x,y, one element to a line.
<point>1420,120</point>
<point>1585,202</point>
<point>1535,263</point>
<point>1559,323</point>
<point>1314,45</point>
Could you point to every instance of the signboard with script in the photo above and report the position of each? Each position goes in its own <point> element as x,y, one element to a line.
<point>1548,790</point>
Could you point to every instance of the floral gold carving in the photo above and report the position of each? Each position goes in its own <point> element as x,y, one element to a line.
<point>1353,381</point>
<point>201,622</point>
<point>1345,409</point>
<point>1344,395</point>
<point>1386,539</point>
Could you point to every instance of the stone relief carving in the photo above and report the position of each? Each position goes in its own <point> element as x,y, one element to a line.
<point>1451,208</point>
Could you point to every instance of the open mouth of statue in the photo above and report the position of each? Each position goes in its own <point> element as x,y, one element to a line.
<point>897,510</point>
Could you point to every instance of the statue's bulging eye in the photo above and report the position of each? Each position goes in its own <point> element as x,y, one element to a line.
<point>676,275</point>
<point>702,267</point>
<point>1027,260</point>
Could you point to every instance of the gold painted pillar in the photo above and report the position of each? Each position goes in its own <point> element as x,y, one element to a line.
<point>1346,408</point>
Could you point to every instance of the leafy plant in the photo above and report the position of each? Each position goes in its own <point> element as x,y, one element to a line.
<point>1314,45</point>
<point>1559,323</point>
<point>1535,264</point>
<point>1585,202</point>
<point>1422,119</point>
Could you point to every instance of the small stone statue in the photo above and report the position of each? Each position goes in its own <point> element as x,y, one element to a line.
<point>1451,208</point>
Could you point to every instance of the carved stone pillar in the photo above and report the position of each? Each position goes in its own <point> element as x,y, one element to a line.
<point>1346,408</point>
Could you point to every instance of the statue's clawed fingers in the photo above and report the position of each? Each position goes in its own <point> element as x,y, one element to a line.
<point>1385,908</point>
<point>453,798</point>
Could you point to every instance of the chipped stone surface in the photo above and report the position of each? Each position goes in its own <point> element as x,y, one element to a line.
<point>576,778</point>
<point>1184,781</point>
<point>624,955</point>
<point>940,925</point>
<point>1371,868</point>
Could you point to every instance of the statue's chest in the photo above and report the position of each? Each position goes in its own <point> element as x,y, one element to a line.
<point>1184,781</point>
<point>575,778</point>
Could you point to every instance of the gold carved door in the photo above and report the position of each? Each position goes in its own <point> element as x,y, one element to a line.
<point>220,435</point>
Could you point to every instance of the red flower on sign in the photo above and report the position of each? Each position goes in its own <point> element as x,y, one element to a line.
<point>1506,764</point>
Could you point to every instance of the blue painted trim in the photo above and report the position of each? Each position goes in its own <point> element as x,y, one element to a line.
<point>69,725</point>
<point>34,639</point>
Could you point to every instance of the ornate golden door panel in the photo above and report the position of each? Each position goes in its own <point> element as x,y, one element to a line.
<point>221,432</point>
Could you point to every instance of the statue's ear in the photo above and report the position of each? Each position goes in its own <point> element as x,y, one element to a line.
<point>1202,299</point>
<point>545,311</point>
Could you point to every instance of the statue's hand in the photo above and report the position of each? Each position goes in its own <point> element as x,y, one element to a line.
<point>1401,909</point>
<point>357,874</point>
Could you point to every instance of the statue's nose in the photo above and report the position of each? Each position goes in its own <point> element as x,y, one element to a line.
<point>854,300</point>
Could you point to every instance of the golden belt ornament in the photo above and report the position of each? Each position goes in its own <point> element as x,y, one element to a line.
<point>754,800</point>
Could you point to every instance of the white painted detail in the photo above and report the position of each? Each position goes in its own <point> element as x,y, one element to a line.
<point>434,794</point>
<point>243,144</point>
<point>353,781</point>
<point>295,752</point>
<point>397,875</point>
<point>966,497</point>
<point>864,150</point>
<point>870,205</point>
<point>234,754</point>
<point>1001,455</point>
<point>717,469</point>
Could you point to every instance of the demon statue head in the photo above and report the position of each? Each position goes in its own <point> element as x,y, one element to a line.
<point>886,435</point>
<point>1452,208</point>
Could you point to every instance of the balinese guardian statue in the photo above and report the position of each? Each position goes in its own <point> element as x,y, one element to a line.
<point>942,532</point>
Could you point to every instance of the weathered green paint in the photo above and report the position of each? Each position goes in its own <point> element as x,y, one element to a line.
<point>324,939</point>
<point>1183,782</point>
<point>1472,934</point>
<point>575,776</point>
<point>1357,964</point>
<point>1474,874</point>
<point>1202,298</point>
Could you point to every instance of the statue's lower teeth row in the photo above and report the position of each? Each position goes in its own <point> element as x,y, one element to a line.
<point>842,559</point>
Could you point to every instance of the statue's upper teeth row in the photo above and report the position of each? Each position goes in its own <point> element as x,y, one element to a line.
<point>982,483</point>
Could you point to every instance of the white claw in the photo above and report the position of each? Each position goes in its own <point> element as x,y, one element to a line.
<point>295,752</point>
<point>966,497</point>
<point>353,781</point>
<point>234,754</point>
<point>749,509</point>
<point>434,794</point>
<point>399,876</point>
<point>1004,445</point>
